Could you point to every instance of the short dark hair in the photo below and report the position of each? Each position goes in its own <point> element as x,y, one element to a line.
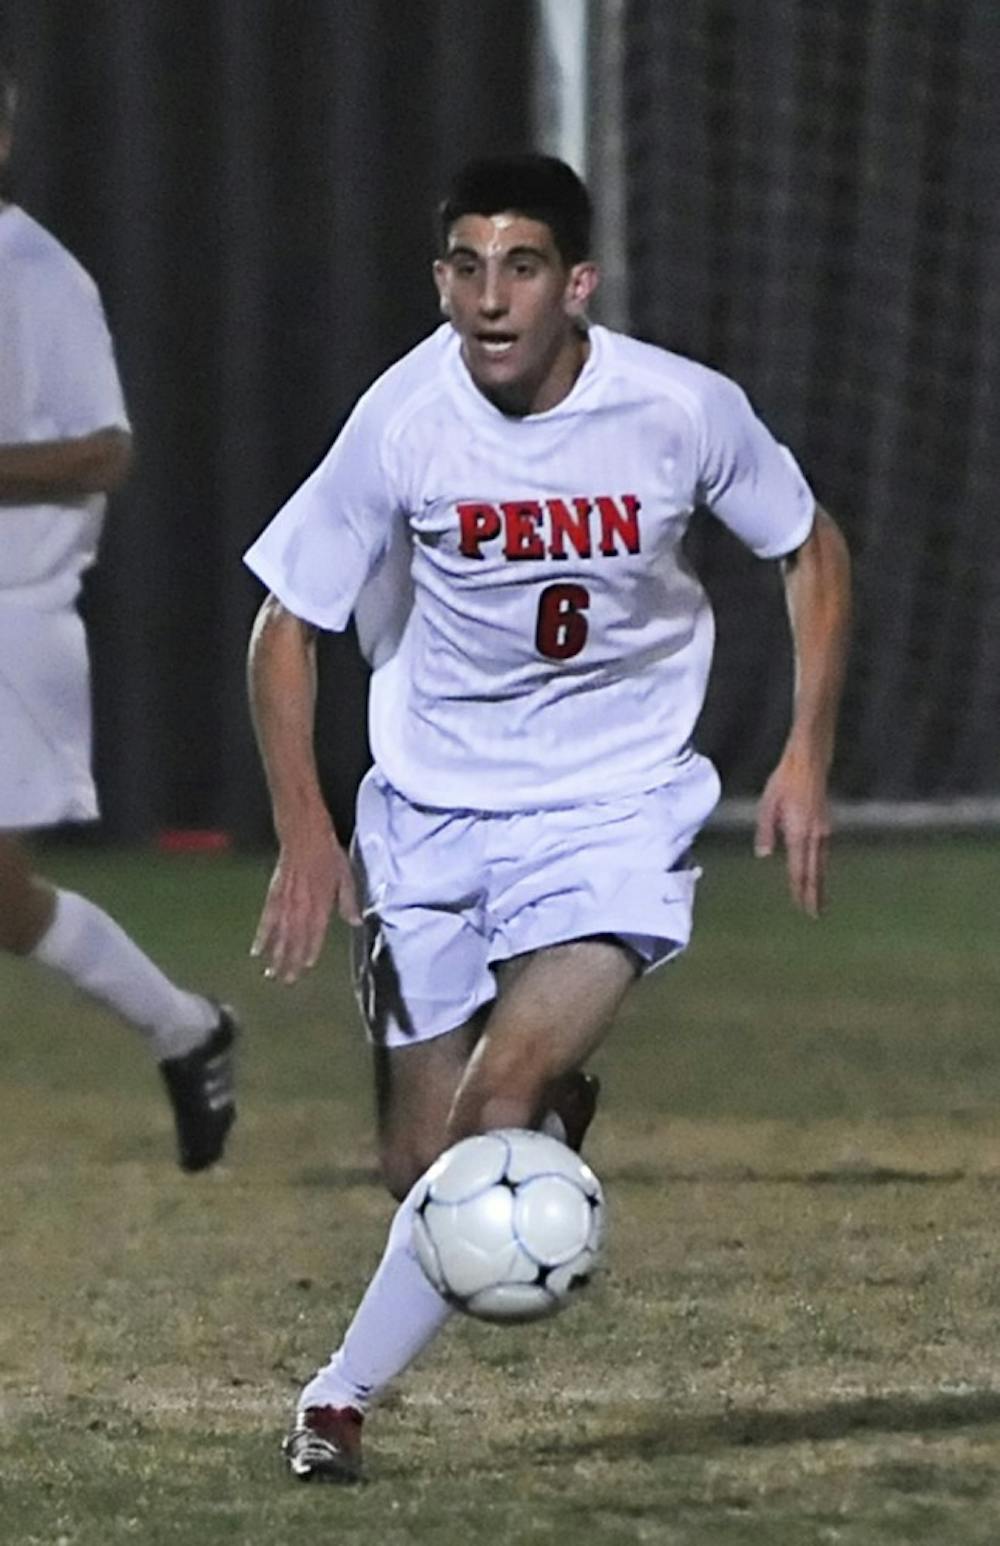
<point>539,187</point>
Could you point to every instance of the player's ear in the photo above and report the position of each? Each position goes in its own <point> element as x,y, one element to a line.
<point>580,286</point>
<point>441,280</point>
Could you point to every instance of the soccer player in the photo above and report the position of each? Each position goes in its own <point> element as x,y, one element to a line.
<point>503,515</point>
<point>64,445</point>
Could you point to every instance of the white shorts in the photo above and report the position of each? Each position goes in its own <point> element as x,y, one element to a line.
<point>448,894</point>
<point>45,719</point>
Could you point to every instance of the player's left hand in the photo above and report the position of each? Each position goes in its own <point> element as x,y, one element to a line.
<point>312,879</point>
<point>794,809</point>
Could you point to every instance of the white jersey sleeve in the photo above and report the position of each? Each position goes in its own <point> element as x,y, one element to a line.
<point>746,478</point>
<point>322,546</point>
<point>58,381</point>
<point>76,360</point>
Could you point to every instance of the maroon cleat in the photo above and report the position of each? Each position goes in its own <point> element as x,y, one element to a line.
<point>325,1444</point>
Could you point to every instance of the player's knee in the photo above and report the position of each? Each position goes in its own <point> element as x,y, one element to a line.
<point>505,1090</point>
<point>496,1098</point>
<point>502,1109</point>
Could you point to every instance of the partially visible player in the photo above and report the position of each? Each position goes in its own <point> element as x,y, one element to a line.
<point>503,514</point>
<point>64,445</point>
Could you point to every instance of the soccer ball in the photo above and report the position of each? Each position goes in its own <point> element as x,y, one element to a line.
<point>509,1224</point>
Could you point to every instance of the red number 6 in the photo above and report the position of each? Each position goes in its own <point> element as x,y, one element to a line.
<point>561,630</point>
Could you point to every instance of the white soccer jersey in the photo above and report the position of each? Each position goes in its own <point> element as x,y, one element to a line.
<point>57,381</point>
<point>537,636</point>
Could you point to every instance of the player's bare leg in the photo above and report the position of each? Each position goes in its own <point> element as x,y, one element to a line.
<point>190,1036</point>
<point>552,1011</point>
<point>417,1086</point>
<point>27,904</point>
<point>569,1102</point>
<point>415,1089</point>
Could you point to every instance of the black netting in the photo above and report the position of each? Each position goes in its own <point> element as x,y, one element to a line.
<point>812,208</point>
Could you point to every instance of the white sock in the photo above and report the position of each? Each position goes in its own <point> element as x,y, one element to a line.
<point>89,948</point>
<point>398,1316</point>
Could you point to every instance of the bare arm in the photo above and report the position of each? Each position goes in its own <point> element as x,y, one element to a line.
<point>794,805</point>
<point>35,472</point>
<point>313,874</point>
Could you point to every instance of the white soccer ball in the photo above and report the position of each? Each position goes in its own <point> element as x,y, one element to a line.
<point>508,1225</point>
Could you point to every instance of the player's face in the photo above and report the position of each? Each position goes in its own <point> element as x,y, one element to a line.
<point>518,308</point>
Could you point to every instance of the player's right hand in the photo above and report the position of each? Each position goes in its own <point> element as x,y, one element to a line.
<point>310,879</point>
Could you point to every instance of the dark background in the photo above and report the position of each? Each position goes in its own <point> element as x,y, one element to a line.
<point>251,182</point>
<point>812,207</point>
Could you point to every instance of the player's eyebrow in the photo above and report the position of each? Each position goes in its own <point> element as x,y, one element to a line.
<point>525,250</point>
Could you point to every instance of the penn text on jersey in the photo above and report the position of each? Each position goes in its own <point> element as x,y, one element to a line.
<point>541,528</point>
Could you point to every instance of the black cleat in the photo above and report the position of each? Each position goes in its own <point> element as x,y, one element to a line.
<point>325,1445</point>
<point>200,1087</point>
<point>573,1098</point>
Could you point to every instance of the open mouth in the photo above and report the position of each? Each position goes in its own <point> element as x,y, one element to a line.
<point>496,345</point>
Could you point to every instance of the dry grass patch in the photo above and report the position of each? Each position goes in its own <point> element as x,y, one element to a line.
<point>794,1341</point>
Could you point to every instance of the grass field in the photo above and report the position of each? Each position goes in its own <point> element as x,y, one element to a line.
<point>796,1337</point>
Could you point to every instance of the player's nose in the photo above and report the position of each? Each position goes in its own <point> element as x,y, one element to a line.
<point>492,296</point>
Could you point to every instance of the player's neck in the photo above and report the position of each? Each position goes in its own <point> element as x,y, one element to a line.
<point>521,399</point>
<point>563,377</point>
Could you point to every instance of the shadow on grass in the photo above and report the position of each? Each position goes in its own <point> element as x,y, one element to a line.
<point>745,1175</point>
<point>672,1435</point>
